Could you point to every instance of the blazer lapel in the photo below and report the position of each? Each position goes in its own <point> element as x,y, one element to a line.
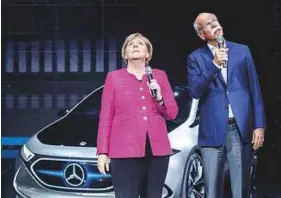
<point>231,54</point>
<point>207,58</point>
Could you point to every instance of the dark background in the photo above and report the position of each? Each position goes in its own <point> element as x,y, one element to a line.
<point>54,52</point>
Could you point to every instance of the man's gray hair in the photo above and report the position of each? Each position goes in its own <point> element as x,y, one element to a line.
<point>196,27</point>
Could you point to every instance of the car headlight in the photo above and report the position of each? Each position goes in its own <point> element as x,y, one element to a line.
<point>26,153</point>
<point>166,192</point>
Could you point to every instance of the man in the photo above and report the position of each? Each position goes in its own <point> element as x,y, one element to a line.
<point>232,113</point>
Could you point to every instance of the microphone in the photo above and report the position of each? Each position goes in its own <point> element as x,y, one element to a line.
<point>221,44</point>
<point>148,71</point>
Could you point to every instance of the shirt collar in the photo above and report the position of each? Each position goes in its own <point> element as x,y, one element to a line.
<point>211,47</point>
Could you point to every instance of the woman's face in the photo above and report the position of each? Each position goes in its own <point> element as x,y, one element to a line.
<point>136,49</point>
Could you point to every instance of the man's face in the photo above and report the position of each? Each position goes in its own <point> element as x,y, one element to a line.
<point>209,27</point>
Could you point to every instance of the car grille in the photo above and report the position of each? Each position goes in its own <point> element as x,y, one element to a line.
<point>71,175</point>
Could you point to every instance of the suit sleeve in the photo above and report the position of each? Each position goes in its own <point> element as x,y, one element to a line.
<point>259,114</point>
<point>199,81</point>
<point>169,109</point>
<point>106,116</point>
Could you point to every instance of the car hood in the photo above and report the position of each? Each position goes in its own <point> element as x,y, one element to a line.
<point>72,130</point>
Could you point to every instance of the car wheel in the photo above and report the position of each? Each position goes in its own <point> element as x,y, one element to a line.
<point>193,179</point>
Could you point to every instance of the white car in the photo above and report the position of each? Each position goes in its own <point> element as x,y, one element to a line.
<point>60,160</point>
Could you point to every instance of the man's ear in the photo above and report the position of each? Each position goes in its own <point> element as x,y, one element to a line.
<point>201,35</point>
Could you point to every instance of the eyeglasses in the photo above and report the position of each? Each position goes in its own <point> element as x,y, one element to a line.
<point>208,24</point>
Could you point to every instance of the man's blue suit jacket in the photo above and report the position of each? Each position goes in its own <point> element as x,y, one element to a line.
<point>242,92</point>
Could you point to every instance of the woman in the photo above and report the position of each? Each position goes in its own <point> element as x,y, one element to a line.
<point>132,129</point>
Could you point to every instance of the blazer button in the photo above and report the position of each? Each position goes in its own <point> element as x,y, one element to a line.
<point>226,107</point>
<point>145,118</point>
<point>141,88</point>
<point>144,107</point>
<point>143,97</point>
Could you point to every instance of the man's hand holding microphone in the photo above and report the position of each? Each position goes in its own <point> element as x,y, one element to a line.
<point>221,56</point>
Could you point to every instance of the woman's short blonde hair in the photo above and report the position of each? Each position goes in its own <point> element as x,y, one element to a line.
<point>132,37</point>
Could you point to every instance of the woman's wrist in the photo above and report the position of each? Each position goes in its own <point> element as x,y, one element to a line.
<point>159,99</point>
<point>102,154</point>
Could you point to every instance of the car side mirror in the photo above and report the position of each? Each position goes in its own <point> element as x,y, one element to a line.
<point>63,112</point>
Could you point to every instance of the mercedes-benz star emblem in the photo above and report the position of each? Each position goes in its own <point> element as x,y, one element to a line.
<point>82,143</point>
<point>74,174</point>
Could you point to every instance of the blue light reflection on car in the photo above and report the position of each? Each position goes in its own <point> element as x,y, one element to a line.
<point>91,175</point>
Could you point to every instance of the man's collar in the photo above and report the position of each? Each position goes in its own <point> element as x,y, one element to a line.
<point>211,47</point>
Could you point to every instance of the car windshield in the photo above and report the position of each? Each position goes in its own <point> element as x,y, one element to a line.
<point>184,101</point>
<point>89,106</point>
<point>78,127</point>
<point>81,124</point>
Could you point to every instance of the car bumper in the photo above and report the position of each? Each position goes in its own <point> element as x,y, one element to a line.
<point>27,187</point>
